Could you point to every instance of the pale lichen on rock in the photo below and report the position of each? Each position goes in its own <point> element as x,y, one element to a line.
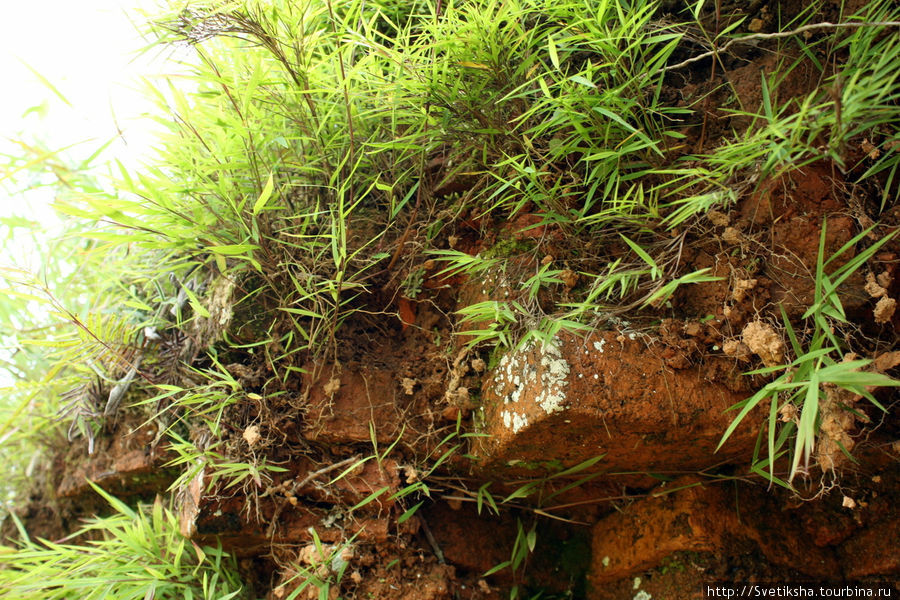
<point>554,379</point>
<point>535,371</point>
<point>514,421</point>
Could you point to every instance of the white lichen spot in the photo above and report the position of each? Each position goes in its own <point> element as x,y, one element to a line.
<point>533,372</point>
<point>519,421</point>
<point>599,345</point>
<point>516,394</point>
<point>553,395</point>
<point>559,368</point>
<point>514,421</point>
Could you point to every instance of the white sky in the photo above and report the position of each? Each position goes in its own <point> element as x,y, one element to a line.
<point>88,50</point>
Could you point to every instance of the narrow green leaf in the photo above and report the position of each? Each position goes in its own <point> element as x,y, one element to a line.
<point>199,309</point>
<point>370,498</point>
<point>46,82</point>
<point>497,568</point>
<point>406,515</point>
<point>264,196</point>
<point>551,48</point>
<point>587,464</point>
<point>544,88</point>
<point>232,249</point>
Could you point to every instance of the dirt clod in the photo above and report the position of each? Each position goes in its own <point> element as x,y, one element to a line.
<point>718,218</point>
<point>741,287</point>
<point>251,435</point>
<point>737,349</point>
<point>884,310</point>
<point>569,278</point>
<point>764,341</point>
<point>732,236</point>
<point>874,288</point>
<point>788,413</point>
<point>886,361</point>
<point>331,386</point>
<point>837,424</point>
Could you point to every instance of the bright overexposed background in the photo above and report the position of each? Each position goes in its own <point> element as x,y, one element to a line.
<point>72,76</point>
<point>74,79</point>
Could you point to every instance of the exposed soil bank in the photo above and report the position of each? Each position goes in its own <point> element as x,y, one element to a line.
<point>408,465</point>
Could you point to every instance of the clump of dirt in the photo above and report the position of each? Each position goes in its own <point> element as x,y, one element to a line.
<point>878,288</point>
<point>762,340</point>
<point>741,287</point>
<point>400,568</point>
<point>838,421</point>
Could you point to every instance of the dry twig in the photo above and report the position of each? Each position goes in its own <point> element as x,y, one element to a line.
<point>779,34</point>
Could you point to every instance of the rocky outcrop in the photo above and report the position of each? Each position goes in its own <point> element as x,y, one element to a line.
<point>607,394</point>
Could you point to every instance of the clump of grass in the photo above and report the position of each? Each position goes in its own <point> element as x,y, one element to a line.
<point>133,553</point>
<point>309,121</point>
<point>801,387</point>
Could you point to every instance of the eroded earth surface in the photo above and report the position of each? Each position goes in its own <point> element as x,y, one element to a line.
<point>405,414</point>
